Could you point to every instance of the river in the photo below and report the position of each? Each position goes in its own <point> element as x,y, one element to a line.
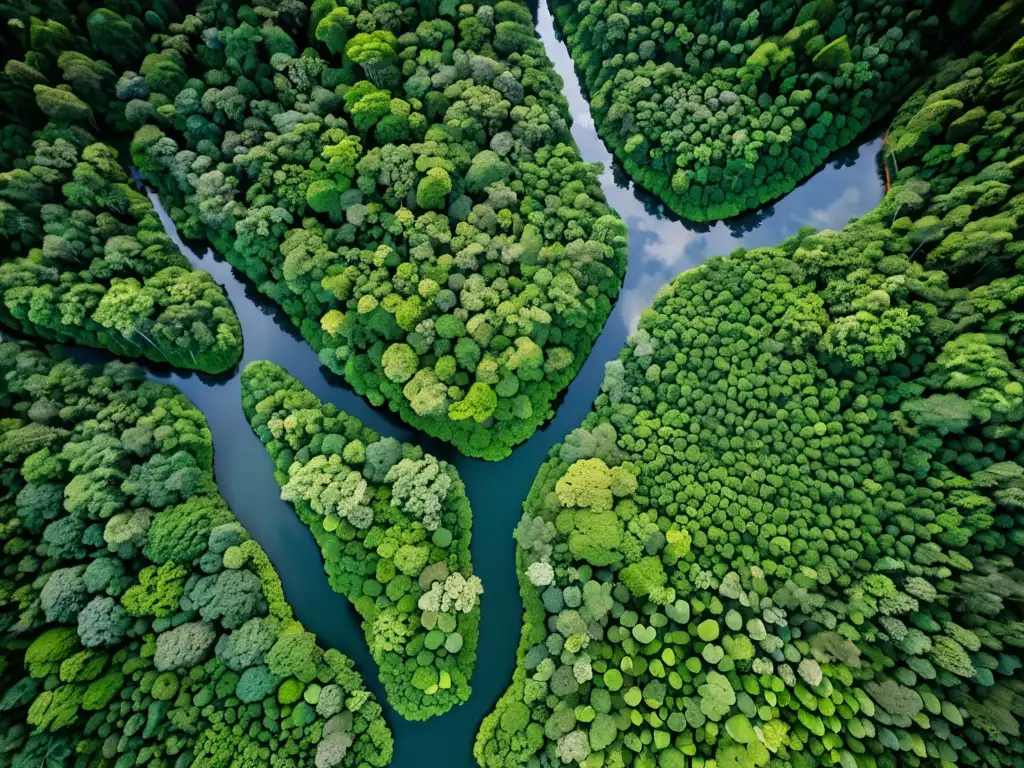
<point>660,247</point>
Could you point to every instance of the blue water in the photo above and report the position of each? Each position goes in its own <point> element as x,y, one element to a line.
<point>660,247</point>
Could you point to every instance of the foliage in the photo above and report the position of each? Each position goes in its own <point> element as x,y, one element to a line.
<point>406,188</point>
<point>818,560</point>
<point>86,260</point>
<point>718,108</point>
<point>393,525</point>
<point>148,640</point>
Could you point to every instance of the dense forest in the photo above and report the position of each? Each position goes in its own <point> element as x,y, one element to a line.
<point>140,624</point>
<point>393,524</point>
<point>400,178</point>
<point>720,107</point>
<point>85,258</point>
<point>790,531</point>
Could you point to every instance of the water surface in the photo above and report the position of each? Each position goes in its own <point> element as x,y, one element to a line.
<point>660,247</point>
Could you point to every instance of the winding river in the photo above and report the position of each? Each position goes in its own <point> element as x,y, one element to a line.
<point>660,247</point>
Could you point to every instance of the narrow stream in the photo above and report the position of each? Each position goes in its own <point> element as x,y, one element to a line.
<point>660,248</point>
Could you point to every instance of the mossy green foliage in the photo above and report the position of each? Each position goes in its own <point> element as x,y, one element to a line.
<point>86,260</point>
<point>718,108</point>
<point>401,179</point>
<point>393,524</point>
<point>816,562</point>
<point>142,625</point>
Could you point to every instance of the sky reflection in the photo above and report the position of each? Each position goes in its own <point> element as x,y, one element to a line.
<point>662,246</point>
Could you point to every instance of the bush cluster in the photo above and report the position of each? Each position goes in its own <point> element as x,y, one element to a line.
<point>790,531</point>
<point>400,178</point>
<point>141,624</point>
<point>86,259</point>
<point>393,524</point>
<point>720,107</point>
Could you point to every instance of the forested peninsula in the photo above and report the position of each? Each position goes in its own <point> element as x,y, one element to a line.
<point>400,178</point>
<point>393,524</point>
<point>789,533</point>
<point>141,624</point>
<point>720,107</point>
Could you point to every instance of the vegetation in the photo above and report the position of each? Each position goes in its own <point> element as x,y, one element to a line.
<point>400,178</point>
<point>393,524</point>
<point>86,259</point>
<point>720,107</point>
<point>140,624</point>
<point>789,533</point>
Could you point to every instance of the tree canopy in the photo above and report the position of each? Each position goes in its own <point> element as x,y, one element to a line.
<point>401,179</point>
<point>86,260</point>
<point>720,107</point>
<point>815,559</point>
<point>142,625</point>
<point>393,524</point>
